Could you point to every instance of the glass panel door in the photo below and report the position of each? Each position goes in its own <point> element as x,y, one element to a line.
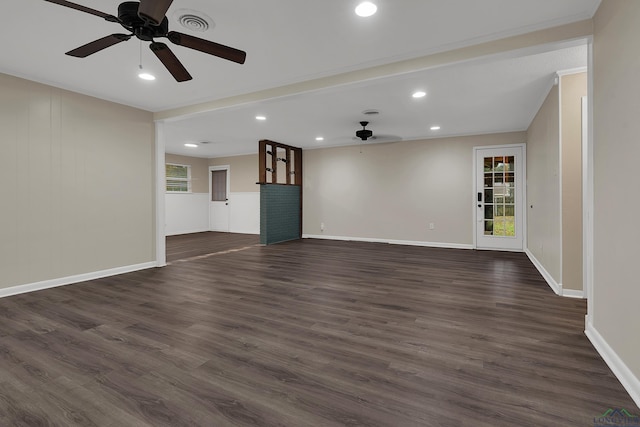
<point>499,196</point>
<point>499,217</point>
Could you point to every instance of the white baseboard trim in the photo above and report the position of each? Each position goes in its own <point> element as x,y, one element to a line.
<point>557,287</point>
<point>390,241</point>
<point>239,231</point>
<point>247,231</point>
<point>46,284</point>
<point>572,293</point>
<point>629,381</point>
<point>192,231</point>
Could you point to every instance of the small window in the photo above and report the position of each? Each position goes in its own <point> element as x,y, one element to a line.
<point>178,178</point>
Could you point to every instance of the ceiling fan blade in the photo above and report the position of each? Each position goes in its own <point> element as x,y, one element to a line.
<point>98,45</point>
<point>207,46</point>
<point>170,61</point>
<point>85,9</point>
<point>153,11</point>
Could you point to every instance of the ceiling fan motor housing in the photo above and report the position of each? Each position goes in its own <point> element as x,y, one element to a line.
<point>130,20</point>
<point>363,133</point>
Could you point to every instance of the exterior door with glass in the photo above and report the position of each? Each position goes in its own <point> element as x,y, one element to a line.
<point>499,198</point>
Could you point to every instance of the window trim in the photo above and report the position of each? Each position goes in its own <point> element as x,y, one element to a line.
<point>187,179</point>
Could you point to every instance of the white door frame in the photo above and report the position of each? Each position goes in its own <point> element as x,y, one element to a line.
<point>161,187</point>
<point>219,168</point>
<point>474,202</point>
<point>587,205</point>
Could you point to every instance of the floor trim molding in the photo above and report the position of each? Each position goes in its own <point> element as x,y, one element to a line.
<point>572,293</point>
<point>557,287</point>
<point>629,381</point>
<point>390,241</point>
<point>46,284</point>
<point>189,231</point>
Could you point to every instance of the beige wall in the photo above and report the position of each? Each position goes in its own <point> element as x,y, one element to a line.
<point>572,87</point>
<point>543,186</point>
<point>244,172</point>
<point>77,184</point>
<point>616,101</point>
<point>394,190</point>
<point>199,171</point>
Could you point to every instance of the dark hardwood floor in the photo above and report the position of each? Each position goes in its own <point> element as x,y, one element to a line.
<point>188,246</point>
<point>305,333</point>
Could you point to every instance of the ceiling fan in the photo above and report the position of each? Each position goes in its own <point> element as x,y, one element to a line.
<point>363,133</point>
<point>146,20</point>
<point>366,134</point>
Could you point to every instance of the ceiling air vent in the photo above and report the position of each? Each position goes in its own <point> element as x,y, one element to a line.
<point>193,20</point>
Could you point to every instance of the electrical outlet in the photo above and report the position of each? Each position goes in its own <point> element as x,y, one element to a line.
<point>432,226</point>
<point>322,226</point>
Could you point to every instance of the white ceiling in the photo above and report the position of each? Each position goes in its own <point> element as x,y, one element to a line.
<point>289,41</point>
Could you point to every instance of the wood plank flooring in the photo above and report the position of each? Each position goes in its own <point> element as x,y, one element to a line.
<point>187,246</point>
<point>305,333</point>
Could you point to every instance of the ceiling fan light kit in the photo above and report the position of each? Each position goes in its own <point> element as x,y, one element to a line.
<point>146,76</point>
<point>147,21</point>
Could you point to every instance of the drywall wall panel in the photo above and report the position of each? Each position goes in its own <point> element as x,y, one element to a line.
<point>244,213</point>
<point>83,175</point>
<point>544,238</point>
<point>616,102</point>
<point>395,190</point>
<point>573,87</point>
<point>186,213</point>
<point>244,171</point>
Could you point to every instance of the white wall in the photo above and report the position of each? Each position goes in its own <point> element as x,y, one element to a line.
<point>186,213</point>
<point>77,187</point>
<point>189,213</point>
<point>393,191</point>
<point>244,212</point>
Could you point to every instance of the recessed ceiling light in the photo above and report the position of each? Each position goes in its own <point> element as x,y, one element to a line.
<point>261,118</point>
<point>191,145</point>
<point>319,138</point>
<point>435,127</point>
<point>366,8</point>
<point>419,94</point>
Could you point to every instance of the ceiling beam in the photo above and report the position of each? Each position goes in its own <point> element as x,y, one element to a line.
<point>510,45</point>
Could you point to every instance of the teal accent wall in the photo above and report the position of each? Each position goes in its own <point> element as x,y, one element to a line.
<point>280,213</point>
